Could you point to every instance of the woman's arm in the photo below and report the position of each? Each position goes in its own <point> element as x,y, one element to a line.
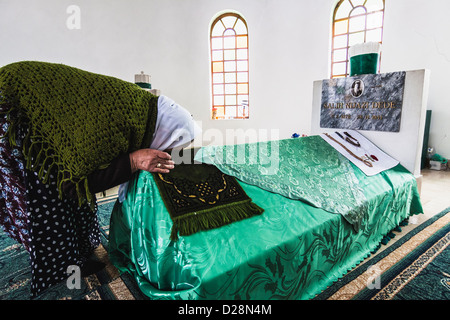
<point>122,168</point>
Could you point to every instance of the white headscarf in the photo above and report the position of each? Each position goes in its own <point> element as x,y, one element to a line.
<point>175,127</point>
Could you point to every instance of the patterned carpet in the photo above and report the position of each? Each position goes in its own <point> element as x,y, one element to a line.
<point>416,267</point>
<point>106,284</point>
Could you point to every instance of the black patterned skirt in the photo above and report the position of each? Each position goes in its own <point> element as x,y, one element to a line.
<point>57,233</point>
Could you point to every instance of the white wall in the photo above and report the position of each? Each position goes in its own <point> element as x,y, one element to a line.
<point>168,39</point>
<point>416,36</point>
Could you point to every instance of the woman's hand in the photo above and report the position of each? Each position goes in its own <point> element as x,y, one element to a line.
<point>151,160</point>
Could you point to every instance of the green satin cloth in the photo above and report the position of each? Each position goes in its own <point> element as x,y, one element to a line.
<point>305,169</point>
<point>291,251</point>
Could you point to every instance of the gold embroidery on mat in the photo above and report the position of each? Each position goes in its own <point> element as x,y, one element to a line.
<point>203,188</point>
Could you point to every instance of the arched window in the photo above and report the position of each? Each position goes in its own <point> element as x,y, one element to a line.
<point>354,21</point>
<point>229,67</point>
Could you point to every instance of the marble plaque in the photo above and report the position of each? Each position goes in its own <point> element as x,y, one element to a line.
<point>365,102</point>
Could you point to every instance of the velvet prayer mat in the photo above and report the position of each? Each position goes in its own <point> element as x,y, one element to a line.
<point>200,197</point>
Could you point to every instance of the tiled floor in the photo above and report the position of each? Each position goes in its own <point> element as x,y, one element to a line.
<point>435,197</point>
<point>435,194</point>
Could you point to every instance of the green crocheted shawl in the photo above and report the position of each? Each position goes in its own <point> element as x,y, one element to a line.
<point>76,120</point>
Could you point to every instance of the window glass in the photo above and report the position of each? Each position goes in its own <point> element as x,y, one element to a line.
<point>354,22</point>
<point>229,67</point>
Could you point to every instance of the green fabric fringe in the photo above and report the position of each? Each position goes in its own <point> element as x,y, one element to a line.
<point>391,235</point>
<point>39,158</point>
<point>213,218</point>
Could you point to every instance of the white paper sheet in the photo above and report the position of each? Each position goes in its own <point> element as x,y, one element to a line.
<point>368,151</point>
